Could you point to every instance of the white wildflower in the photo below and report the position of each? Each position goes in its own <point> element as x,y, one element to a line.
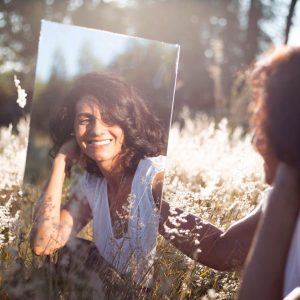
<point>13,154</point>
<point>21,93</point>
<point>7,221</point>
<point>212,294</point>
<point>196,254</point>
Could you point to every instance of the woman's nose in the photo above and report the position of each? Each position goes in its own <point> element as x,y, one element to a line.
<point>98,127</point>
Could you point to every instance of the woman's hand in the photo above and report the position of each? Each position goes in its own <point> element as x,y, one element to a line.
<point>69,152</point>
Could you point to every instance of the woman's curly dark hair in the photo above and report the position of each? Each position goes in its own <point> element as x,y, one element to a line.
<point>276,104</point>
<point>120,105</point>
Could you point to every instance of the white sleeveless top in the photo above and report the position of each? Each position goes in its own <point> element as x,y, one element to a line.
<point>134,253</point>
<point>292,267</point>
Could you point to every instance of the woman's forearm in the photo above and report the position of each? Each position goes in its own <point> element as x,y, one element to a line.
<point>45,237</point>
<point>186,232</point>
<point>206,243</point>
<point>264,275</point>
<point>265,270</point>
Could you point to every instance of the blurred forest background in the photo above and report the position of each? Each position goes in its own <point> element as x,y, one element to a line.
<point>219,39</point>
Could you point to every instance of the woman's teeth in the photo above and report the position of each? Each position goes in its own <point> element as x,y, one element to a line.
<point>99,143</point>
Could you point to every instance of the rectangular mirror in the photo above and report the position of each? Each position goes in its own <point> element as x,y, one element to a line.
<point>97,148</point>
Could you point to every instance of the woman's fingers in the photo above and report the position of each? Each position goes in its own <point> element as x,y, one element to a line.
<point>70,151</point>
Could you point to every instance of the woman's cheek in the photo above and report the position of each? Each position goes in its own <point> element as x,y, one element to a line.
<point>79,134</point>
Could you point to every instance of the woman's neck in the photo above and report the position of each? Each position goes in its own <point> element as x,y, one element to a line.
<point>114,175</point>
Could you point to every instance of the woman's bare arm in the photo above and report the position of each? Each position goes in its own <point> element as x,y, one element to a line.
<point>206,243</point>
<point>53,225</point>
<point>203,241</point>
<point>264,274</point>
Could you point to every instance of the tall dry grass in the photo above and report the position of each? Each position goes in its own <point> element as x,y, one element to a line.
<point>212,172</point>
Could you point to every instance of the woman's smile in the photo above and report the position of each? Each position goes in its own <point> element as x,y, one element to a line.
<point>99,142</point>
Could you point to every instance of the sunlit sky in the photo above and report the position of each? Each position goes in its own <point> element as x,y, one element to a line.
<point>276,27</point>
<point>69,40</point>
<point>295,32</point>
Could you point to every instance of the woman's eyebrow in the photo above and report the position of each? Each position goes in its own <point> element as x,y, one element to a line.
<point>84,114</point>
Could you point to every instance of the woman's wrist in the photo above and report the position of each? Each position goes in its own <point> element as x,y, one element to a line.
<point>60,159</point>
<point>61,162</point>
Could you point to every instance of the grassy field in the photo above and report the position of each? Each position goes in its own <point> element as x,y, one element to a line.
<point>212,172</point>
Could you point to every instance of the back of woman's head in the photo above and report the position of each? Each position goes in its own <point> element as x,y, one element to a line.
<point>120,105</point>
<point>276,91</point>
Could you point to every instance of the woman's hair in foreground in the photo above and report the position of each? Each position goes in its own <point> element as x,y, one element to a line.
<point>276,99</point>
<point>120,105</point>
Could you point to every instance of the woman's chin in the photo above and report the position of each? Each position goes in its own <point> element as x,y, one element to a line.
<point>102,160</point>
<point>99,158</point>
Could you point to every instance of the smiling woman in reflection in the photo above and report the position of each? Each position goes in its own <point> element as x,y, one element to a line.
<point>105,126</point>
